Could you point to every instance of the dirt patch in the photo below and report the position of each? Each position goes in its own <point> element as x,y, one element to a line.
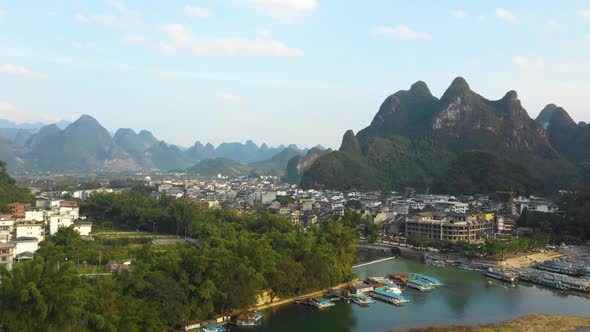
<point>528,260</point>
<point>548,323</point>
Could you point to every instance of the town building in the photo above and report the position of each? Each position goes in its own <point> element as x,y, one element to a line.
<point>7,254</point>
<point>30,229</point>
<point>83,227</point>
<point>438,226</point>
<point>18,209</point>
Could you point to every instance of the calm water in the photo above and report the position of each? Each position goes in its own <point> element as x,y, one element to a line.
<point>467,298</point>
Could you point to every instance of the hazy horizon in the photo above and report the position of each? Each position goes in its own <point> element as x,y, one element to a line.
<point>279,72</point>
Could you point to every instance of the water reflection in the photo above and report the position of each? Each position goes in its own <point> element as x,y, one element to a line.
<point>466,298</point>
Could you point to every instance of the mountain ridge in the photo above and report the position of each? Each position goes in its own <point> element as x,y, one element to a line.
<point>415,138</point>
<point>86,146</point>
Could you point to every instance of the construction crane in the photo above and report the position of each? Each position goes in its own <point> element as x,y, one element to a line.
<point>510,206</point>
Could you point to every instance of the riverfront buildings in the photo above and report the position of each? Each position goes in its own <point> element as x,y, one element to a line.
<point>442,226</point>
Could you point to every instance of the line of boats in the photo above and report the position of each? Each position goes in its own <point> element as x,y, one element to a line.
<point>556,274</point>
<point>386,289</point>
<point>565,274</point>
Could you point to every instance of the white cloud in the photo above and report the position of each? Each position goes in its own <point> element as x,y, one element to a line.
<point>401,32</point>
<point>88,45</point>
<point>51,14</point>
<point>228,46</point>
<point>133,40</point>
<point>119,6</point>
<point>81,18</point>
<point>105,20</point>
<point>177,33</point>
<point>276,82</point>
<point>199,12</point>
<point>263,33</point>
<point>22,71</point>
<point>230,99</point>
<point>531,64</point>
<point>505,15</point>
<point>282,10</point>
<point>2,13</point>
<point>588,36</point>
<point>520,60</point>
<point>123,18</point>
<point>16,114</point>
<point>139,40</point>
<point>459,13</point>
<point>552,25</point>
<point>583,13</point>
<point>166,49</point>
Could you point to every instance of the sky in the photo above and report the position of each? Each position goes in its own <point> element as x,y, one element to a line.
<point>279,71</point>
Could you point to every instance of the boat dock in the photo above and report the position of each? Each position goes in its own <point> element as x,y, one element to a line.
<point>388,297</point>
<point>505,276</point>
<point>419,285</point>
<point>320,302</point>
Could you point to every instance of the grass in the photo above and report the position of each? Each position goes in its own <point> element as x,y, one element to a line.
<point>532,323</point>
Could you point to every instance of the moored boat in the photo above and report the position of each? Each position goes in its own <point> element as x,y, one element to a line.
<point>319,302</point>
<point>399,278</point>
<point>503,276</point>
<point>419,285</point>
<point>363,300</point>
<point>428,279</point>
<point>389,297</point>
<point>213,328</point>
<point>393,289</point>
<point>252,318</point>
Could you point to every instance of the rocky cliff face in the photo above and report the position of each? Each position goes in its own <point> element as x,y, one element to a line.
<point>571,140</point>
<point>415,137</point>
<point>297,165</point>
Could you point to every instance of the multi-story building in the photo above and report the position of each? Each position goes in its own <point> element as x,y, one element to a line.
<point>69,208</point>
<point>18,209</point>
<point>57,221</point>
<point>35,215</point>
<point>449,227</point>
<point>7,254</point>
<point>30,229</point>
<point>6,227</point>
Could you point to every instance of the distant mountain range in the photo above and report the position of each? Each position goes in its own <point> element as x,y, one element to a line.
<point>19,134</point>
<point>86,146</point>
<point>461,143</point>
<point>275,166</point>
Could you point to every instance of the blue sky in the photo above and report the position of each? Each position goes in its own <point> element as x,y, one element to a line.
<point>279,71</point>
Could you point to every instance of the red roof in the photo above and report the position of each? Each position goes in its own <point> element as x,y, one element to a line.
<point>69,204</point>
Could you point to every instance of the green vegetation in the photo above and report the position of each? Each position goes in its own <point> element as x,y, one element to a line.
<point>353,204</point>
<point>573,228</point>
<point>285,200</point>
<point>275,166</point>
<point>371,230</point>
<point>365,227</point>
<point>483,172</point>
<point>491,248</point>
<point>10,192</point>
<point>237,257</point>
<point>417,140</point>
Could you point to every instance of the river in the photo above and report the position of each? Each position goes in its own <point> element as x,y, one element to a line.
<point>468,298</point>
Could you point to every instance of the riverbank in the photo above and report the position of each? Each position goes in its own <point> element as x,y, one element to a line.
<point>374,262</point>
<point>532,323</point>
<point>299,297</point>
<point>529,259</point>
